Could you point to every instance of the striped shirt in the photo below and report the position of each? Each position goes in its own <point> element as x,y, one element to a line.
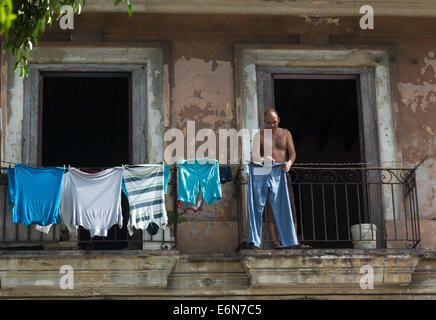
<point>144,185</point>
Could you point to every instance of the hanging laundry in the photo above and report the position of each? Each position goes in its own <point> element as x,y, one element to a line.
<point>152,228</point>
<point>269,181</point>
<point>166,177</point>
<point>11,187</point>
<point>11,198</point>
<point>44,229</point>
<point>86,170</point>
<point>198,206</point>
<point>225,174</point>
<point>144,185</point>
<point>92,201</point>
<point>36,195</point>
<point>198,174</point>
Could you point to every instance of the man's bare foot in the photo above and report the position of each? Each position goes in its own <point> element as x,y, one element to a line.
<point>276,244</point>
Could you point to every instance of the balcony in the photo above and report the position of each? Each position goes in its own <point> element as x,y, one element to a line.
<point>329,202</point>
<point>338,207</point>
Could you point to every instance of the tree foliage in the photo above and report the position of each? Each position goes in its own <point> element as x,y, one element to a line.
<point>23,21</point>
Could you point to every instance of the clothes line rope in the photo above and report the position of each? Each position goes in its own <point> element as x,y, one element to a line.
<point>295,164</point>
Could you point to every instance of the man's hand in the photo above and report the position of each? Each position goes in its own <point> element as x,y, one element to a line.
<point>287,166</point>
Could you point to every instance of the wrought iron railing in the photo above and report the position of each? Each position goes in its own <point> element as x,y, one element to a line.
<point>328,202</point>
<point>352,206</point>
<point>18,236</point>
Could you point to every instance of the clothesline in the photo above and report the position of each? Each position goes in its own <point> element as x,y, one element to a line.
<point>295,165</point>
<point>70,193</point>
<point>101,168</point>
<point>142,184</point>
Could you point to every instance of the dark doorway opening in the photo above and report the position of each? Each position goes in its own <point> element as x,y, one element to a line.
<point>85,119</point>
<point>322,114</point>
<point>86,124</point>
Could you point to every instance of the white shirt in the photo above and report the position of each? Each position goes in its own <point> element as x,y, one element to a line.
<point>92,201</point>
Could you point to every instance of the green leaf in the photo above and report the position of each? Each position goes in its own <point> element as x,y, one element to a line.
<point>16,65</point>
<point>23,21</point>
<point>2,14</point>
<point>129,7</point>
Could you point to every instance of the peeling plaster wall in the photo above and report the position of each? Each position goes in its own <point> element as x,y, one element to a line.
<point>203,91</point>
<point>202,85</point>
<point>417,114</point>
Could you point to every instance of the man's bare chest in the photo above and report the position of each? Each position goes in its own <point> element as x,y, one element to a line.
<point>279,142</point>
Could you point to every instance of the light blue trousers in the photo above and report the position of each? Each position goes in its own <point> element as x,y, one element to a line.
<point>269,182</point>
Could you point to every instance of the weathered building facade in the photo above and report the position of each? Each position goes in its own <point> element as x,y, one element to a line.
<point>220,64</point>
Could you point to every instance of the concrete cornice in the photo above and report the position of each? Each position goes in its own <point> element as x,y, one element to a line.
<point>318,273</point>
<point>417,8</point>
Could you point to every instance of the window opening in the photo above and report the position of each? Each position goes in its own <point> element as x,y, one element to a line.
<point>86,124</point>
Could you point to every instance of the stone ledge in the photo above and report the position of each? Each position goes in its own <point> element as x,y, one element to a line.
<point>85,253</point>
<point>317,252</point>
<point>249,274</point>
<point>208,272</point>
<point>336,267</point>
<point>31,271</point>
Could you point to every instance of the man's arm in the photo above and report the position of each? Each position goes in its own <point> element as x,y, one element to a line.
<point>290,148</point>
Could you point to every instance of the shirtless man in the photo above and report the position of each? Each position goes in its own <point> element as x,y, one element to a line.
<point>283,150</point>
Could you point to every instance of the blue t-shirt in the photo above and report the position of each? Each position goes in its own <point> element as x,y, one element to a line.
<point>37,195</point>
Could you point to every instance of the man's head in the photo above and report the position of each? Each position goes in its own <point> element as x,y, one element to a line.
<point>271,119</point>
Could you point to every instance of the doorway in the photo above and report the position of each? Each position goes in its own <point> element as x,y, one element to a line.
<point>323,115</point>
<point>86,124</point>
<point>85,119</point>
